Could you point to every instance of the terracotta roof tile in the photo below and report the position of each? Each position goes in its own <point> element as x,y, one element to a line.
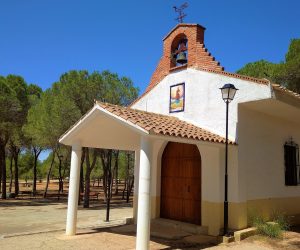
<point>162,124</point>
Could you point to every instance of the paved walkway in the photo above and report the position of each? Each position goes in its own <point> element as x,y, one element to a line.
<point>23,216</point>
<point>40,224</point>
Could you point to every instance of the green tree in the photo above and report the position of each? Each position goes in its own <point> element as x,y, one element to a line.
<point>260,69</point>
<point>286,73</point>
<point>17,139</point>
<point>67,100</point>
<point>12,115</point>
<point>48,119</point>
<point>82,89</point>
<point>290,74</point>
<point>34,95</point>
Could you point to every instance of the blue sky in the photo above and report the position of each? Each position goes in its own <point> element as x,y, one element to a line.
<point>40,40</point>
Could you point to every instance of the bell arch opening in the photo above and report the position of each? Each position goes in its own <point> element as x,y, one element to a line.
<point>179,50</point>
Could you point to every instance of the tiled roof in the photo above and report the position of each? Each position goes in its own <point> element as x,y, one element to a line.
<point>158,124</point>
<point>238,76</point>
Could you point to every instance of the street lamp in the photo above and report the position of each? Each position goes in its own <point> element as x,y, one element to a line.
<point>228,92</point>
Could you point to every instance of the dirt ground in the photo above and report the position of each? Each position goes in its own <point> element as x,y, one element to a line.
<point>36,223</point>
<point>39,215</point>
<point>96,188</point>
<point>290,241</point>
<point>107,239</point>
<point>100,240</point>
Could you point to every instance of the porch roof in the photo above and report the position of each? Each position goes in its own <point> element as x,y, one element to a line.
<point>150,123</point>
<point>160,124</point>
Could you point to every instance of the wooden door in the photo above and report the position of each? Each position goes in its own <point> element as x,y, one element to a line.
<point>181,183</point>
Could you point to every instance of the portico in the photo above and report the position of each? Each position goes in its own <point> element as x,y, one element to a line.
<point>175,128</point>
<point>115,127</point>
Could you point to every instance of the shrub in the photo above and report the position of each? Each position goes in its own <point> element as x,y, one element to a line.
<point>272,229</point>
<point>281,220</point>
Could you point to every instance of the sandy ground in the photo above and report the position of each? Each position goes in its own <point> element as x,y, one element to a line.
<point>101,240</point>
<point>106,239</point>
<point>17,216</point>
<point>21,220</point>
<point>290,241</point>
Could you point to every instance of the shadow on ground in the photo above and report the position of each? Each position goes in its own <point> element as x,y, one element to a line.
<point>94,204</point>
<point>168,243</point>
<point>18,202</point>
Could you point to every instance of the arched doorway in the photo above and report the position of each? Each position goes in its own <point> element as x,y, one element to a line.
<point>181,183</point>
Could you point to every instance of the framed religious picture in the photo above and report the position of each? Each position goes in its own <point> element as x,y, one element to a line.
<point>177,96</point>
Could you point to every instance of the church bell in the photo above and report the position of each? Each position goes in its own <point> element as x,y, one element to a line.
<point>181,58</point>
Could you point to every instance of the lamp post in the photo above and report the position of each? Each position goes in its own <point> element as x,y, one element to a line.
<point>228,92</point>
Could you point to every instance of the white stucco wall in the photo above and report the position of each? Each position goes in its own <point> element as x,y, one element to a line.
<point>261,153</point>
<point>213,174</point>
<point>203,102</point>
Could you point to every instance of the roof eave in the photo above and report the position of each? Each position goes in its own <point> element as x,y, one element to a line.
<point>285,95</point>
<point>190,140</point>
<point>67,136</point>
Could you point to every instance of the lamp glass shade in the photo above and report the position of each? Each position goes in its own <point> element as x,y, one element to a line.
<point>228,92</point>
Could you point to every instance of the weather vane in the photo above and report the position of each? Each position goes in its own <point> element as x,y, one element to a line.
<point>179,10</point>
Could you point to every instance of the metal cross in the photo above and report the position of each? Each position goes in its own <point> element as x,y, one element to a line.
<point>179,10</point>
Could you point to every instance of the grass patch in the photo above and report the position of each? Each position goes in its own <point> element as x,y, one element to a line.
<point>282,221</point>
<point>274,229</point>
<point>271,230</point>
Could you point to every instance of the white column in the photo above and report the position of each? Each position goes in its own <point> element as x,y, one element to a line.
<point>73,190</point>
<point>143,220</point>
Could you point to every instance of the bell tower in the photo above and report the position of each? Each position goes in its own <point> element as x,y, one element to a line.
<point>183,47</point>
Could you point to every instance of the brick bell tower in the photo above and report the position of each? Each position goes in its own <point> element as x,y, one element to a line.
<point>186,41</point>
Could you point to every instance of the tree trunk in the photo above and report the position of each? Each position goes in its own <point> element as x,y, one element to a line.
<point>0,173</point>
<point>106,157</point>
<point>129,189</point>
<point>66,163</point>
<point>11,173</point>
<point>81,170</point>
<point>104,179</point>
<point>60,186</point>
<point>104,185</point>
<point>81,182</point>
<point>124,189</point>
<point>127,178</point>
<point>48,175</point>
<point>36,156</point>
<point>16,156</point>
<point>116,173</point>
<point>86,202</point>
<point>108,196</point>
<point>89,169</point>
<point>60,180</point>
<point>3,169</point>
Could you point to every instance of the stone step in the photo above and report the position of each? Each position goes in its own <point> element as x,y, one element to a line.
<point>183,226</point>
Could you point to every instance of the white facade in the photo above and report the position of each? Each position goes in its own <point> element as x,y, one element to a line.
<point>258,122</point>
<point>204,106</point>
<point>261,119</point>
